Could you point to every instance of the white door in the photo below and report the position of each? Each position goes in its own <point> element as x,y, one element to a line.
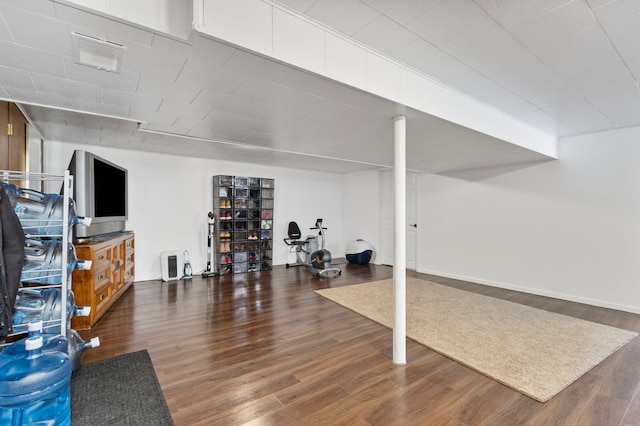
<point>387,214</point>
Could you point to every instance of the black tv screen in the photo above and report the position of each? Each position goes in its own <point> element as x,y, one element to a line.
<point>109,190</point>
<point>100,193</point>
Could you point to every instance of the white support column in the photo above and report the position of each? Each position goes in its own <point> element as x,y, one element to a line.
<point>400,253</point>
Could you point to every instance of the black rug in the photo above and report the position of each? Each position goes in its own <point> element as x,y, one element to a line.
<point>123,390</point>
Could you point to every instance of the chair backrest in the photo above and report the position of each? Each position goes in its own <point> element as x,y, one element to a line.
<point>294,231</point>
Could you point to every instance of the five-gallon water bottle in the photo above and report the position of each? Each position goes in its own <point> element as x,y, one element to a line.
<point>36,389</point>
<point>77,346</point>
<point>43,261</point>
<point>41,214</point>
<point>51,343</point>
<point>44,304</point>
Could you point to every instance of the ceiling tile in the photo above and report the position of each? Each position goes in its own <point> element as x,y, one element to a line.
<point>29,59</point>
<point>201,48</point>
<point>39,31</point>
<point>311,84</point>
<point>5,34</point>
<point>352,17</point>
<point>161,64</point>
<point>386,35</point>
<point>96,107</point>
<point>448,20</point>
<point>402,11</point>
<point>198,75</point>
<point>124,81</point>
<point>245,64</point>
<point>128,99</point>
<point>219,117</point>
<point>150,84</point>
<point>421,55</point>
<point>12,77</point>
<point>181,109</point>
<point>39,98</point>
<point>265,92</point>
<point>611,91</point>
<point>67,88</point>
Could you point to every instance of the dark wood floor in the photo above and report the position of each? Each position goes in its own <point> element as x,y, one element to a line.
<point>264,349</point>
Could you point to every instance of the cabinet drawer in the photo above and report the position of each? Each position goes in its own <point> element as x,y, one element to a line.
<point>101,258</point>
<point>102,297</point>
<point>101,277</point>
<point>129,245</point>
<point>128,274</point>
<point>128,259</point>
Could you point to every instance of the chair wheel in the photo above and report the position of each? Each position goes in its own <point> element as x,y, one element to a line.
<point>287,265</point>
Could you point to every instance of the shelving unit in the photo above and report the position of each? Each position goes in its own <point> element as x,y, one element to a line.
<point>31,231</point>
<point>243,210</point>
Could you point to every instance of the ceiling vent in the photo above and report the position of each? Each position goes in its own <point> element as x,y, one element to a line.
<point>101,54</point>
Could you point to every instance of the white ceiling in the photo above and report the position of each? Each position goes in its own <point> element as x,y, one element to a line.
<point>566,67</point>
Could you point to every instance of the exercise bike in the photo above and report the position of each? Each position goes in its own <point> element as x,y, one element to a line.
<point>307,251</point>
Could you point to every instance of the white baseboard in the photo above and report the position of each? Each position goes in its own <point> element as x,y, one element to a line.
<point>538,292</point>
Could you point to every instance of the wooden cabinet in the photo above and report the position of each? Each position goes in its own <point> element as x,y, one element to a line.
<point>13,139</point>
<point>111,274</point>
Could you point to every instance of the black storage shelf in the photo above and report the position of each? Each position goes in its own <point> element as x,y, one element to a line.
<point>243,210</point>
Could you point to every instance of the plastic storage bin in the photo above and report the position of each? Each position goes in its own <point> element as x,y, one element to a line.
<point>359,252</point>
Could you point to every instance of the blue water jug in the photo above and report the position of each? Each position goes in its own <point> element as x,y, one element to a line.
<point>50,343</point>
<point>44,304</point>
<point>77,346</point>
<point>41,214</point>
<point>36,389</point>
<point>43,261</point>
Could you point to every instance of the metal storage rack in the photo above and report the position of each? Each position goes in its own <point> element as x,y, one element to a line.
<point>243,210</point>
<point>19,178</point>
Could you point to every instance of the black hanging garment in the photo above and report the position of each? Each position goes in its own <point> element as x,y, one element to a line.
<point>11,261</point>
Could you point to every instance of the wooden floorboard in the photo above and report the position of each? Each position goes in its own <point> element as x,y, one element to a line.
<point>264,349</point>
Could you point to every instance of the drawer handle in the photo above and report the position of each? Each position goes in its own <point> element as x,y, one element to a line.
<point>101,257</point>
<point>101,297</point>
<point>100,277</point>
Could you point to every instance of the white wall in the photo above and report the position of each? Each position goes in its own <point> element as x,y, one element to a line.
<point>169,198</point>
<point>361,211</point>
<point>567,228</point>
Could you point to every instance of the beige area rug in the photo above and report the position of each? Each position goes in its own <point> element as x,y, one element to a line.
<point>535,352</point>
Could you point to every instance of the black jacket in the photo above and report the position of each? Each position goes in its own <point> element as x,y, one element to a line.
<point>11,262</point>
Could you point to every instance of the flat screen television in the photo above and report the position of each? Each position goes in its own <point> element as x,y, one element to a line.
<point>100,193</point>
